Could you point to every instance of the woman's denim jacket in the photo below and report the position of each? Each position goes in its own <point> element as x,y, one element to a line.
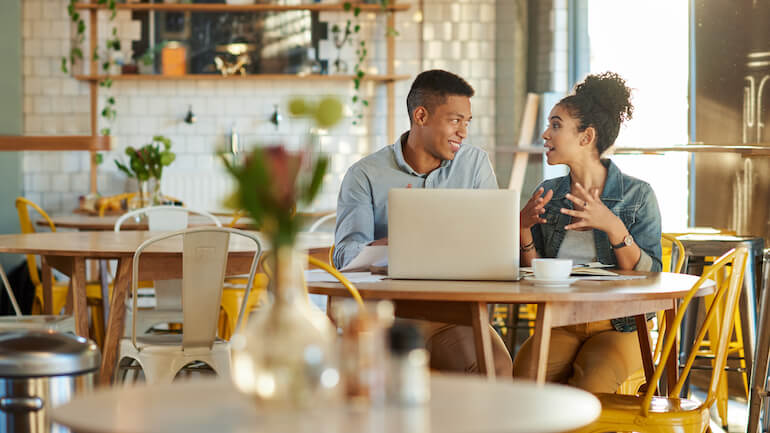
<point>627,197</point>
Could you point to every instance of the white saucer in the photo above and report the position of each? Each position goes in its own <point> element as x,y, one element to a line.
<point>551,283</point>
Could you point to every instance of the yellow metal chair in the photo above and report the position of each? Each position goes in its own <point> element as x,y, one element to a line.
<point>58,291</point>
<point>634,382</point>
<point>649,413</point>
<point>233,292</point>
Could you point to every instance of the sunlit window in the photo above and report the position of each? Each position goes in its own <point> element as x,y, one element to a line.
<point>646,42</point>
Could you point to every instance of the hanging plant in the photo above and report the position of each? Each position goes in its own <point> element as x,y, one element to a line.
<point>359,102</point>
<point>76,53</point>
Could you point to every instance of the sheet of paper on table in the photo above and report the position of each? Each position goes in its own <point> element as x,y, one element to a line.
<point>321,276</point>
<point>593,271</point>
<point>372,255</point>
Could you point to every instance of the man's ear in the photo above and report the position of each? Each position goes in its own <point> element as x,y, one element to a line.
<point>420,115</point>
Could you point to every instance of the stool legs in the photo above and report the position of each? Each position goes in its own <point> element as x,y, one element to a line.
<point>758,387</point>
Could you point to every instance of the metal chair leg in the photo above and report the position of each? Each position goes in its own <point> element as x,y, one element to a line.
<point>758,388</point>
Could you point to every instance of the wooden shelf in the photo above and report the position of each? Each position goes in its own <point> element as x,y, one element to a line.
<point>333,77</point>
<point>220,7</point>
<point>743,149</point>
<point>54,142</point>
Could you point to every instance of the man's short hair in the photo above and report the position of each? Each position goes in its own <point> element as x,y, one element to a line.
<point>431,88</point>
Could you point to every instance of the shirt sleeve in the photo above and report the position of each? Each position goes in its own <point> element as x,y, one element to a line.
<point>355,217</point>
<point>646,232</point>
<point>485,178</point>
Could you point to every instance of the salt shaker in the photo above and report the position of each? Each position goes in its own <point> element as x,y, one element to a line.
<point>409,375</point>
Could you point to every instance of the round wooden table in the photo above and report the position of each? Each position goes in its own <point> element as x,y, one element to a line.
<point>465,303</point>
<point>68,252</point>
<point>459,404</point>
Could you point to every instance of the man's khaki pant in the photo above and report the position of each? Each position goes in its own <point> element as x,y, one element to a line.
<point>452,349</point>
<point>591,356</point>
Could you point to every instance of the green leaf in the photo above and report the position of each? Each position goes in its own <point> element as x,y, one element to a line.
<point>64,65</point>
<point>75,16</point>
<point>105,131</point>
<point>114,31</point>
<point>355,98</point>
<point>111,100</point>
<point>98,158</point>
<point>71,11</point>
<point>365,102</point>
<point>124,169</point>
<point>356,11</point>
<point>346,6</point>
<point>81,26</point>
<point>356,28</point>
<point>360,74</point>
<point>77,52</point>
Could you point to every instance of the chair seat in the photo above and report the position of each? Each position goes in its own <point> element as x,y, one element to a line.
<point>627,403</point>
<point>165,340</point>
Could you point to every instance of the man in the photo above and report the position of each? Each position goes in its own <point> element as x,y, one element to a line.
<point>429,155</point>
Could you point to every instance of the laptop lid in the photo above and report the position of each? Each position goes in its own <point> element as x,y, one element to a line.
<point>453,234</point>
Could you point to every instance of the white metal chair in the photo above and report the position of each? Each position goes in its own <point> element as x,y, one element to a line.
<point>204,259</point>
<point>168,293</point>
<point>37,321</point>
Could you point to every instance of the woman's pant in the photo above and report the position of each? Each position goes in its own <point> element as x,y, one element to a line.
<point>591,356</point>
<point>452,348</point>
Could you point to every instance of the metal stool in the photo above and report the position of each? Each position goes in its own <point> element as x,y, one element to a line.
<point>698,246</point>
<point>759,388</point>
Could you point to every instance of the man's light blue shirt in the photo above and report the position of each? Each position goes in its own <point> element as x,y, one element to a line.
<point>362,205</point>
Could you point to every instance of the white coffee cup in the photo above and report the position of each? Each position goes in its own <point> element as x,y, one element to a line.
<point>552,269</point>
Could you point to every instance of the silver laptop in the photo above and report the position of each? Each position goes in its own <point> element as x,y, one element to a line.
<point>453,234</point>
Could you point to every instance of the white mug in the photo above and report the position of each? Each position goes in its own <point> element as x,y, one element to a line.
<point>552,269</point>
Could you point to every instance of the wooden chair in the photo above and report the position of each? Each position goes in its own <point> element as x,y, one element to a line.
<point>649,413</point>
<point>161,357</point>
<point>59,291</point>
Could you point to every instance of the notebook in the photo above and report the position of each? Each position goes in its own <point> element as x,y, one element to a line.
<point>453,234</point>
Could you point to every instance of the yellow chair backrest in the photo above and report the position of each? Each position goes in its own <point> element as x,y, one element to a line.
<point>730,294</point>
<point>22,208</point>
<point>669,241</point>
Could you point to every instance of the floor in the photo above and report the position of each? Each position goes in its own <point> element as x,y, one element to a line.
<point>737,415</point>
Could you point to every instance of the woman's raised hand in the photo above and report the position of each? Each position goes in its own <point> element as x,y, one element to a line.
<point>589,210</point>
<point>530,215</point>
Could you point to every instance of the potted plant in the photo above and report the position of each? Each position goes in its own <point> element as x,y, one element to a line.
<point>146,165</point>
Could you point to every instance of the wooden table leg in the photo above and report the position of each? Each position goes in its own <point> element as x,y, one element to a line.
<point>78,289</point>
<point>541,341</point>
<point>47,282</point>
<point>116,322</point>
<point>644,345</point>
<point>484,357</point>
<point>672,366</point>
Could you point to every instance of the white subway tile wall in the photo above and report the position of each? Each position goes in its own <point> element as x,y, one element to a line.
<point>457,35</point>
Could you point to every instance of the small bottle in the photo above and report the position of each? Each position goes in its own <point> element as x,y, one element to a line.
<point>408,372</point>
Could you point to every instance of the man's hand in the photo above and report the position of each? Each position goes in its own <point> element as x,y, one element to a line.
<point>382,241</point>
<point>535,207</point>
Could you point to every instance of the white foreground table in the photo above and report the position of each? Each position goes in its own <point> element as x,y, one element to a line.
<point>459,404</point>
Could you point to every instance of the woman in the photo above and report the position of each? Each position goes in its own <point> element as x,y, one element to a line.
<point>595,213</point>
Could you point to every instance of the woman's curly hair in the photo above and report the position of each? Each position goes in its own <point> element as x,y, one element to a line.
<point>602,101</point>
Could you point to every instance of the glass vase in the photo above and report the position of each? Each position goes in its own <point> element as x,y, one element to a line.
<point>148,194</point>
<point>287,355</point>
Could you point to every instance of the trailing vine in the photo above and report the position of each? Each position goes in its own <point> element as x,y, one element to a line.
<point>76,53</point>
<point>360,103</point>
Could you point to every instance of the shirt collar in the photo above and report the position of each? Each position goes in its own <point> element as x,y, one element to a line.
<point>613,186</point>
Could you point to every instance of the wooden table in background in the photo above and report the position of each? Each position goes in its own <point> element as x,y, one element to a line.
<point>459,404</point>
<point>68,252</point>
<point>465,303</point>
<point>86,222</point>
